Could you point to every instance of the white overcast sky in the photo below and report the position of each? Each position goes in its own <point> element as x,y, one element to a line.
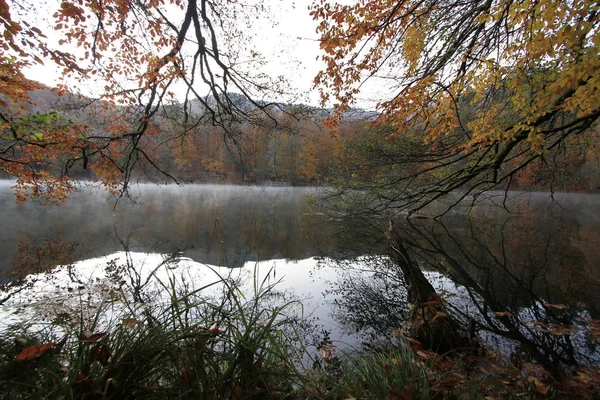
<point>290,48</point>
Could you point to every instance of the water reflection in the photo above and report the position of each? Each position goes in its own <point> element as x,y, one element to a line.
<point>368,297</point>
<point>213,224</point>
<point>528,277</point>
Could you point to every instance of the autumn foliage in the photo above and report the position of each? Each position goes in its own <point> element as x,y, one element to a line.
<point>489,86</point>
<point>132,53</point>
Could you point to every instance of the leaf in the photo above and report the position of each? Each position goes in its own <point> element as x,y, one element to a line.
<point>583,377</point>
<point>89,337</point>
<point>439,314</point>
<point>503,314</point>
<point>34,351</point>
<point>556,306</point>
<point>130,322</point>
<point>395,394</point>
<point>541,388</point>
<point>445,385</point>
<point>423,355</point>
<point>237,393</point>
<point>100,353</point>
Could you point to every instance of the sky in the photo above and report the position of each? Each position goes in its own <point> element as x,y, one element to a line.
<point>286,39</point>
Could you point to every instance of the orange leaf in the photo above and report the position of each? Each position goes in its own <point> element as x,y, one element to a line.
<point>503,314</point>
<point>130,322</point>
<point>583,377</point>
<point>34,351</point>
<point>423,355</point>
<point>556,306</point>
<point>237,393</point>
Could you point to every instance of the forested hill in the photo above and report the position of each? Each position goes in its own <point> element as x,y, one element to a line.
<point>289,146</point>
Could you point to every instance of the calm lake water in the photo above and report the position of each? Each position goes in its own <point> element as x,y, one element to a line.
<point>512,256</point>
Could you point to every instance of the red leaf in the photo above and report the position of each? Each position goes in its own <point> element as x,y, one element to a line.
<point>130,322</point>
<point>34,351</point>
<point>395,394</point>
<point>100,353</point>
<point>237,393</point>
<point>186,377</point>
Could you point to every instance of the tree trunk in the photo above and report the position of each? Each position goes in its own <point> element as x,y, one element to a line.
<point>429,321</point>
<point>419,288</point>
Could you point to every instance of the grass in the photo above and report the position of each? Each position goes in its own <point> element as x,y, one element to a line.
<point>193,347</point>
<point>201,345</point>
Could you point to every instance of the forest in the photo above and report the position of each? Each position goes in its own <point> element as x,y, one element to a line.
<point>293,146</point>
<point>439,158</point>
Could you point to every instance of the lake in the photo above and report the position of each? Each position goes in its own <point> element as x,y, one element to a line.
<point>516,256</point>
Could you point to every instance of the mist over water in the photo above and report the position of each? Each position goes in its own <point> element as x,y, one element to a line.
<point>215,224</point>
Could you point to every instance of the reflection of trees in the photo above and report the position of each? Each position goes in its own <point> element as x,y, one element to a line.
<point>34,258</point>
<point>42,255</point>
<point>370,297</point>
<point>226,225</point>
<point>513,270</point>
<point>526,278</point>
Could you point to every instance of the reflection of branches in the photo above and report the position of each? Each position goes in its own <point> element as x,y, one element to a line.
<point>372,300</point>
<point>137,282</point>
<point>491,267</point>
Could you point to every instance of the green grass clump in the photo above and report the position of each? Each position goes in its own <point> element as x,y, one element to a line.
<point>194,347</point>
<point>384,374</point>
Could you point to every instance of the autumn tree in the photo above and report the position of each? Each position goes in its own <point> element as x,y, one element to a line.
<point>135,53</point>
<point>488,87</point>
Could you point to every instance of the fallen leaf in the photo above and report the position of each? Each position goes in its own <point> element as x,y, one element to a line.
<point>541,388</point>
<point>556,306</point>
<point>89,337</point>
<point>34,351</point>
<point>422,355</point>
<point>130,322</point>
<point>237,393</point>
<point>445,385</point>
<point>583,377</point>
<point>503,314</point>
<point>100,353</point>
<point>439,314</point>
<point>395,394</point>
